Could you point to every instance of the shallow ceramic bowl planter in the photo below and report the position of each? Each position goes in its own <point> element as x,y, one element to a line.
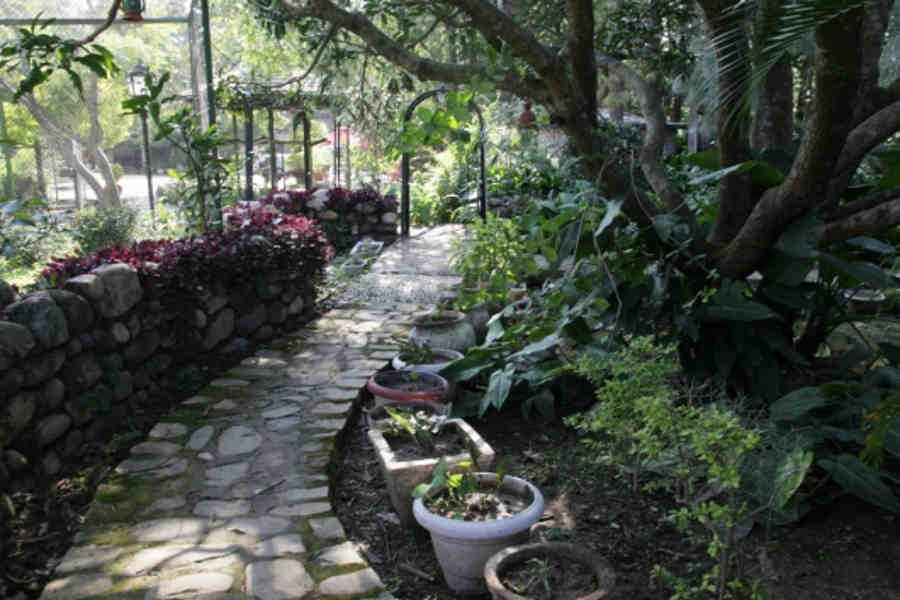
<point>402,476</point>
<point>366,247</point>
<point>499,563</point>
<point>407,387</point>
<point>443,329</point>
<point>442,358</point>
<point>463,547</point>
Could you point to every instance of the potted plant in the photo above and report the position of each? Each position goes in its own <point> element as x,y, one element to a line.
<point>407,387</point>
<point>471,516</point>
<point>413,356</point>
<point>422,357</point>
<point>443,329</point>
<point>548,570</point>
<point>409,445</point>
<point>132,10</point>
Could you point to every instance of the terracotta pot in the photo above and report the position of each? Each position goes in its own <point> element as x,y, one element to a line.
<point>463,547</point>
<point>444,329</point>
<point>393,386</point>
<point>605,577</point>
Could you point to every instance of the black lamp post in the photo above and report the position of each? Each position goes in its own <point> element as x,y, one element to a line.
<point>137,86</point>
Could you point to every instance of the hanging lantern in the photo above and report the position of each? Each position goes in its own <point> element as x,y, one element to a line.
<point>132,10</point>
<point>526,119</point>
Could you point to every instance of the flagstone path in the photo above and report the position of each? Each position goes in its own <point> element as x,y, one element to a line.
<point>229,496</point>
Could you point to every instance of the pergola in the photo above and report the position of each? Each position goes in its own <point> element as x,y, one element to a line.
<point>246,97</point>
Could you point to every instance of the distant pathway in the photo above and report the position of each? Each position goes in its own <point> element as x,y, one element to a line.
<point>228,497</point>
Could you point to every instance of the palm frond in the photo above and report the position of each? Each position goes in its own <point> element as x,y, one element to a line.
<point>781,32</point>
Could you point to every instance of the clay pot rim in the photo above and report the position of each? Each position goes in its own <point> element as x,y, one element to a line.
<point>382,389</point>
<point>439,319</point>
<point>603,571</point>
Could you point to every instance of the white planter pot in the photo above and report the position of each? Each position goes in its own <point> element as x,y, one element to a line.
<point>463,547</point>
<point>445,356</point>
<point>402,476</point>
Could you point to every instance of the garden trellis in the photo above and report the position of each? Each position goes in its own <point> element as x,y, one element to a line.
<point>246,97</point>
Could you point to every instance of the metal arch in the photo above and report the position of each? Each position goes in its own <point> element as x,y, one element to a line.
<point>404,193</point>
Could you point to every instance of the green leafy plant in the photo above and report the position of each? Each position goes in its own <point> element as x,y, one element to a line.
<point>452,492</point>
<point>414,353</point>
<point>203,188</point>
<point>491,259</point>
<point>720,463</point>
<point>422,427</point>
<point>96,228</point>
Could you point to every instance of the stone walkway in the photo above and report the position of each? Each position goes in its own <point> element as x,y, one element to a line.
<point>229,496</point>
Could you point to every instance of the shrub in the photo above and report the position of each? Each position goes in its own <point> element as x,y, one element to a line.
<point>259,241</point>
<point>94,229</point>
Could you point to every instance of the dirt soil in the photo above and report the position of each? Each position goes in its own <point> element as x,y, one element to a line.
<point>448,442</point>
<point>549,578</point>
<point>846,550</point>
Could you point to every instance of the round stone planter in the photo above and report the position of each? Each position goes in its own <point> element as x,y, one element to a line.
<point>604,576</point>
<point>463,547</point>
<point>444,329</point>
<point>407,387</point>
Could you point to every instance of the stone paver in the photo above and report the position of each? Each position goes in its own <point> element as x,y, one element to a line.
<point>281,579</point>
<point>230,506</point>
<point>351,584</point>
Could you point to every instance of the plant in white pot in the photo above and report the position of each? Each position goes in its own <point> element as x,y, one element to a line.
<point>409,444</point>
<point>423,358</point>
<point>472,516</point>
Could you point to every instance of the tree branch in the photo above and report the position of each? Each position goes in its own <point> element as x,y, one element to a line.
<point>423,68</point>
<point>110,17</point>
<point>865,203</point>
<point>867,222</point>
<point>650,99</point>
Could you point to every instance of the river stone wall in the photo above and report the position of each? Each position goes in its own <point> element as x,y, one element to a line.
<point>370,218</point>
<point>75,362</point>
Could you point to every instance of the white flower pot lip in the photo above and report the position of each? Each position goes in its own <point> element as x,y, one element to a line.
<point>479,530</point>
<point>440,353</point>
<point>439,319</point>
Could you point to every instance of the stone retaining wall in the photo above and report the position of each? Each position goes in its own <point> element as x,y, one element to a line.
<point>76,362</point>
<point>346,216</point>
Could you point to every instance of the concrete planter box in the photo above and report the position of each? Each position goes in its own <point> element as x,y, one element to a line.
<point>402,476</point>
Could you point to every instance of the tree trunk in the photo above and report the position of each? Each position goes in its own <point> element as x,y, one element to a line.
<point>735,198</point>
<point>39,166</point>
<point>774,120</point>
<point>616,84</point>
<point>837,76</point>
<point>8,188</point>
